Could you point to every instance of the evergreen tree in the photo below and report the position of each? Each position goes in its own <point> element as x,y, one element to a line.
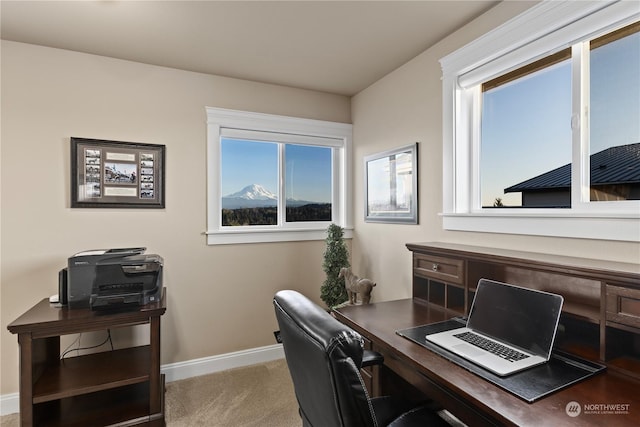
<point>336,256</point>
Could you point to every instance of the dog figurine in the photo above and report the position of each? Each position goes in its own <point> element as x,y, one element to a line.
<point>355,285</point>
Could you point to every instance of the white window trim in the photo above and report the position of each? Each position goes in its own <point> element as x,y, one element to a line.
<point>548,26</point>
<point>220,118</point>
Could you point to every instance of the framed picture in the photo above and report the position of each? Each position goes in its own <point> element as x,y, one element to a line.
<point>391,186</point>
<point>114,174</point>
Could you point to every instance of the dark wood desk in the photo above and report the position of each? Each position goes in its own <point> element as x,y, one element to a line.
<point>123,386</point>
<point>600,322</point>
<point>472,399</point>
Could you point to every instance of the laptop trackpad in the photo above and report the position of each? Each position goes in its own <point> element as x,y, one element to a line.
<point>468,350</point>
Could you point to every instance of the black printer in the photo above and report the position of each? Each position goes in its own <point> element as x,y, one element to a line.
<point>112,279</point>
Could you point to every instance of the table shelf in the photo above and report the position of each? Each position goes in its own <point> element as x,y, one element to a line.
<point>128,404</point>
<point>90,373</point>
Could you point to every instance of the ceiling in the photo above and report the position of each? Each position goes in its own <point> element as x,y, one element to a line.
<point>338,47</point>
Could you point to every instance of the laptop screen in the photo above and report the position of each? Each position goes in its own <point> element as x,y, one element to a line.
<point>524,318</point>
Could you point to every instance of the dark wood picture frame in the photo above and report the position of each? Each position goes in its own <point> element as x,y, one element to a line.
<point>116,174</point>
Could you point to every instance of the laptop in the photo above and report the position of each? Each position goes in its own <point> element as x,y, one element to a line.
<point>509,328</point>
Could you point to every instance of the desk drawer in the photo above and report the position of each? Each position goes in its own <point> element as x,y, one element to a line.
<point>623,306</point>
<point>448,270</point>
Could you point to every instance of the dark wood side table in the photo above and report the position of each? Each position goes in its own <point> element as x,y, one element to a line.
<point>122,386</point>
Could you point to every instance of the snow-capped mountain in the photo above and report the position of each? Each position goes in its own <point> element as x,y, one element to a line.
<point>251,196</point>
<point>253,192</point>
<point>256,196</point>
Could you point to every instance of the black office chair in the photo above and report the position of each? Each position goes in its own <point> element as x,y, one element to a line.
<point>324,358</point>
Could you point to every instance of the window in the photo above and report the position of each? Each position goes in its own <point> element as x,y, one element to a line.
<point>526,131</point>
<point>307,183</point>
<point>249,182</point>
<point>541,135</point>
<point>275,178</point>
<point>614,67</point>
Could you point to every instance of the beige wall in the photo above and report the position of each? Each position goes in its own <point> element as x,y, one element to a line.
<point>219,297</point>
<point>404,107</point>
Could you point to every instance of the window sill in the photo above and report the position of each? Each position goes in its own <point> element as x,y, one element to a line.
<point>617,228</point>
<point>232,237</point>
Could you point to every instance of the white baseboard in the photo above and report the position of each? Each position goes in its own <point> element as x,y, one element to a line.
<point>221,362</point>
<point>10,403</point>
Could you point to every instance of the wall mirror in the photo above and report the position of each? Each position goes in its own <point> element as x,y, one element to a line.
<point>391,186</point>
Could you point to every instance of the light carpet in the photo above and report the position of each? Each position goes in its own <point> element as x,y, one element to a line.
<point>253,396</point>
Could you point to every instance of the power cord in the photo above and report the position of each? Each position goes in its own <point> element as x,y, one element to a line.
<point>78,349</point>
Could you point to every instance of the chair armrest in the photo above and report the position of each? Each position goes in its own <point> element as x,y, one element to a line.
<point>370,358</point>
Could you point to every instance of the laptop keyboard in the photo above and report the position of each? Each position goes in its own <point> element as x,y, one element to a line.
<point>492,346</point>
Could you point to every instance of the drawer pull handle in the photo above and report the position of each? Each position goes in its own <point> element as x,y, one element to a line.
<point>435,267</point>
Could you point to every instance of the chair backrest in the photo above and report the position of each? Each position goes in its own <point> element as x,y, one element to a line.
<point>323,356</point>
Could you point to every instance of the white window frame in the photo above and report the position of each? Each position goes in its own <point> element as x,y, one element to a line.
<point>544,29</point>
<point>222,122</point>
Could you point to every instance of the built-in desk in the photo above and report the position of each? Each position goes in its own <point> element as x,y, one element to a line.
<point>600,322</point>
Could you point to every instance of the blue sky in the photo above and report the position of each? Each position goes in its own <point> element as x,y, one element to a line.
<point>615,102</point>
<point>307,174</point>
<point>248,162</point>
<point>521,140</point>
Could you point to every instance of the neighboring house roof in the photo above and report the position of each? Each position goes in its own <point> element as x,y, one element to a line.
<point>615,165</point>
